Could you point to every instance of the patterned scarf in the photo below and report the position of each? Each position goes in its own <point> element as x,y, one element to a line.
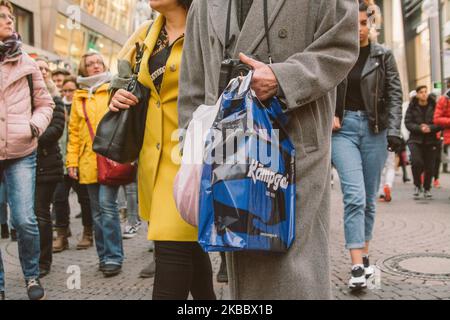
<point>11,47</point>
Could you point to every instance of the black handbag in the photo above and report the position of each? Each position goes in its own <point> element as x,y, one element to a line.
<point>120,135</point>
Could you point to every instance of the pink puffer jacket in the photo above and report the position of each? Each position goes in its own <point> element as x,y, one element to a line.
<point>16,114</point>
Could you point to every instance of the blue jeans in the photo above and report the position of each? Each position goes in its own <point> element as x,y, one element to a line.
<point>359,157</point>
<point>3,203</point>
<point>128,199</point>
<point>105,214</point>
<point>20,179</point>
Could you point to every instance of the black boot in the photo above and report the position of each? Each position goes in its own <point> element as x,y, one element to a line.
<point>2,295</point>
<point>5,231</point>
<point>111,270</point>
<point>222,276</point>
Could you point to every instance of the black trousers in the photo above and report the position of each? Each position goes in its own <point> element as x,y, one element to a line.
<point>61,206</point>
<point>182,268</point>
<point>44,198</point>
<point>423,159</point>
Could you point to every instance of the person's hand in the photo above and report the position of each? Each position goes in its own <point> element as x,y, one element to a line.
<point>264,81</point>
<point>425,128</point>
<point>337,124</point>
<point>73,173</point>
<point>122,100</point>
<point>394,143</point>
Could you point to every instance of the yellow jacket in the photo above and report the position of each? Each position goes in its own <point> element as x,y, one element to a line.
<point>160,156</point>
<point>79,149</point>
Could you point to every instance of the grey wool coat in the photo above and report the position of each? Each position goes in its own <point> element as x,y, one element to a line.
<point>315,43</point>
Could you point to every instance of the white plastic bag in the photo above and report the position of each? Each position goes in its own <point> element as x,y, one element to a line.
<point>187,182</point>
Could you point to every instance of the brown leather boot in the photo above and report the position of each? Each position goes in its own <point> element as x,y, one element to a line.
<point>61,242</point>
<point>87,241</point>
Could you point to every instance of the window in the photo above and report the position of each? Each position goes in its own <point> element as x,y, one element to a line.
<point>24,24</point>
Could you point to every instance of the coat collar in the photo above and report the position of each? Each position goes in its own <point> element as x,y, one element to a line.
<point>252,33</point>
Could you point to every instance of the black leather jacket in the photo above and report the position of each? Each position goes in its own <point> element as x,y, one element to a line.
<point>381,91</point>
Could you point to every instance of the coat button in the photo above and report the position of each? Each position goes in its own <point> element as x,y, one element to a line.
<point>158,146</point>
<point>173,68</point>
<point>158,104</point>
<point>283,33</point>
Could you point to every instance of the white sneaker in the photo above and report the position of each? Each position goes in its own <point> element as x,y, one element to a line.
<point>358,280</point>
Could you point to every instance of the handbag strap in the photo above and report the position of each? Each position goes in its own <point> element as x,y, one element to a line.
<point>88,122</point>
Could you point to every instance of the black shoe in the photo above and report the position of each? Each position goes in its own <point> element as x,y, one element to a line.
<point>111,270</point>
<point>148,272</point>
<point>2,295</point>
<point>368,269</point>
<point>5,231</point>
<point>35,290</point>
<point>222,276</point>
<point>101,267</point>
<point>417,192</point>
<point>43,272</point>
<point>13,235</point>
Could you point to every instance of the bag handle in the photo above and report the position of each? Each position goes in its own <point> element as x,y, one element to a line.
<point>88,122</point>
<point>229,40</point>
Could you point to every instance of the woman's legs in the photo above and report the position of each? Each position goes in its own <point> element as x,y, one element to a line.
<point>182,268</point>
<point>417,163</point>
<point>20,179</point>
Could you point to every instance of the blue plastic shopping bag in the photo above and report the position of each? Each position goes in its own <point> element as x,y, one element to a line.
<point>248,191</point>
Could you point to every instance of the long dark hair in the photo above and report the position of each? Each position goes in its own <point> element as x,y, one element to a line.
<point>185,3</point>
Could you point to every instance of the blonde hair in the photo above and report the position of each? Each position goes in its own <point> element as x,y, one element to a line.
<point>82,69</point>
<point>7,4</point>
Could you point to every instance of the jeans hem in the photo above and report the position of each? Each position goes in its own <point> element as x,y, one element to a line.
<point>352,246</point>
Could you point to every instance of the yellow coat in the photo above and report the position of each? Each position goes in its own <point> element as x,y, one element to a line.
<point>79,149</point>
<point>160,156</point>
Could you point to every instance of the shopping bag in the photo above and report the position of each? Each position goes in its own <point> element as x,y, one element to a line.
<point>248,183</point>
<point>187,182</point>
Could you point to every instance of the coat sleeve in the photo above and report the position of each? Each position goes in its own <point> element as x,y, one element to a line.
<point>393,95</point>
<point>56,127</point>
<point>410,124</point>
<point>326,62</point>
<point>43,103</point>
<point>439,114</point>
<point>73,146</point>
<point>192,74</point>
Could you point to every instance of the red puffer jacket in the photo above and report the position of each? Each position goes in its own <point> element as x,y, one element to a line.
<point>442,117</point>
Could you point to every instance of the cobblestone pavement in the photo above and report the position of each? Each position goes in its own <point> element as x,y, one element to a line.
<point>402,227</point>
